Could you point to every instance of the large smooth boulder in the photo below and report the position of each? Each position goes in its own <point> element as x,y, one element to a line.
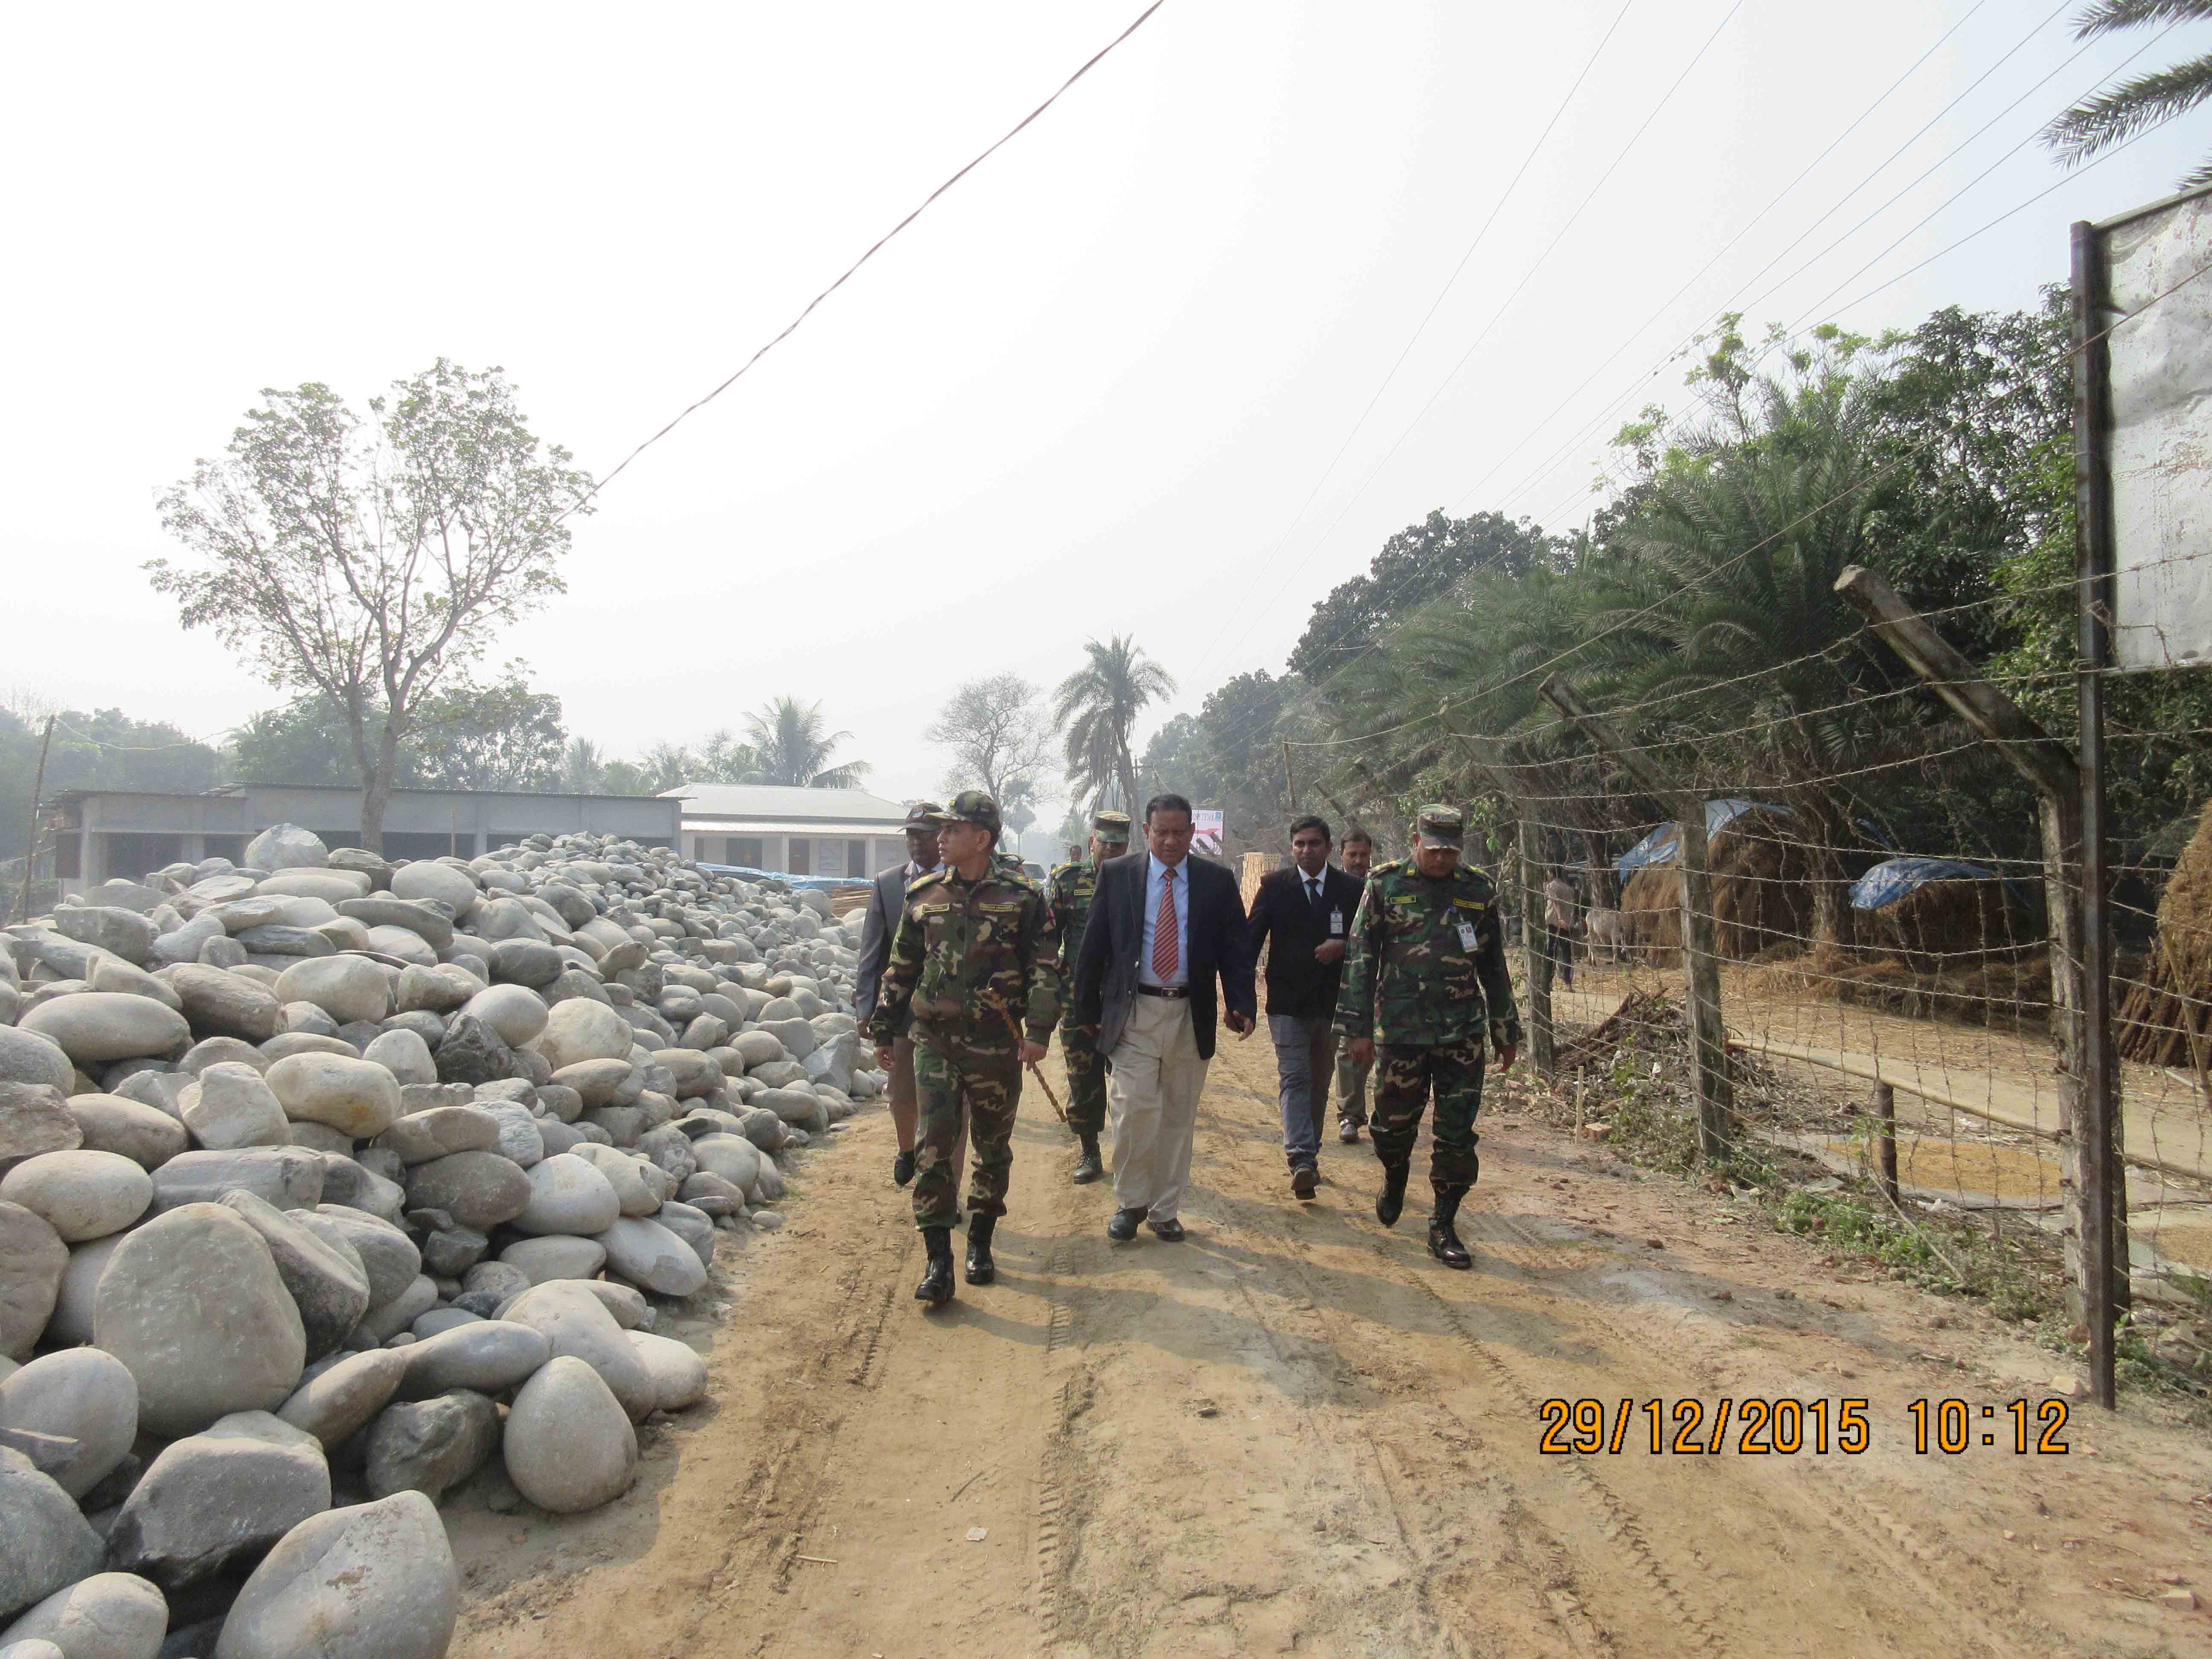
<point>427,879</point>
<point>287,846</point>
<point>108,927</point>
<point>328,1285</point>
<point>626,1174</point>
<point>335,1402</point>
<point>26,1057</point>
<point>580,1029</point>
<point>652,1257</point>
<point>478,1190</point>
<point>232,1106</point>
<point>82,1195</point>
<point>218,1003</point>
<point>96,1029</point>
<point>290,1177</point>
<point>387,1319</point>
<point>440,1131</point>
<point>35,1119</point>
<point>434,990</point>
<point>404,1055</point>
<point>569,1443</point>
<point>32,1266</point>
<point>577,1324</point>
<point>45,1544</point>
<point>679,1375</point>
<point>567,1194</point>
<point>357,1097</point>
<point>130,1128</point>
<point>333,887</point>
<point>344,988</point>
<point>376,1581</point>
<point>517,1014</point>
<point>84,1397</point>
<point>386,1254</point>
<point>556,1256</point>
<point>429,926</point>
<point>733,1158</point>
<point>217,1497</point>
<point>110,1615</point>
<point>192,1303</point>
<point>487,1357</point>
<point>427,1445</point>
<point>71,1323</point>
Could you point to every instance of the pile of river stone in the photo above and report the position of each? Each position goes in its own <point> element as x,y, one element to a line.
<point>327,1183</point>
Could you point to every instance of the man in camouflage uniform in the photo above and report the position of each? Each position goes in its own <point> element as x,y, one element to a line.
<point>970,952</point>
<point>1427,963</point>
<point>1069,889</point>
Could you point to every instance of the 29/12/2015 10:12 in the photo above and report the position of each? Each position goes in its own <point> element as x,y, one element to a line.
<point>1765,1427</point>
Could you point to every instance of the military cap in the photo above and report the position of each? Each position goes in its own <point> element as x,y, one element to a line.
<point>926,815</point>
<point>974,807</point>
<point>1440,826</point>
<point>1110,827</point>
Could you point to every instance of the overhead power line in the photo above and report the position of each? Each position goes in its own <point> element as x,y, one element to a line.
<point>874,248</point>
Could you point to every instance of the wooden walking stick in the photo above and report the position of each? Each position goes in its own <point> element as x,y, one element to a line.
<point>1007,1014</point>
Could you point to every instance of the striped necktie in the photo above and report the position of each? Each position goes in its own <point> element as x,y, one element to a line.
<point>1166,957</point>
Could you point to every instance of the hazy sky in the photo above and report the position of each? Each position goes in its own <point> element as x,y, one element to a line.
<point>1089,391</point>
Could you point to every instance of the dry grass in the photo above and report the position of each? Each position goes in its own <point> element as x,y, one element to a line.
<point>1981,989</point>
<point>2167,1019</point>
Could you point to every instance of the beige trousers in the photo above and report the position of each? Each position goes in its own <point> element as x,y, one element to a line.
<point>1152,1093</point>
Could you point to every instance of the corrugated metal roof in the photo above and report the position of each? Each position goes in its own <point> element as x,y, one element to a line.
<point>743,827</point>
<point>815,807</point>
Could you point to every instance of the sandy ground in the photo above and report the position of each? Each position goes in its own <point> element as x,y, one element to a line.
<point>1295,1433</point>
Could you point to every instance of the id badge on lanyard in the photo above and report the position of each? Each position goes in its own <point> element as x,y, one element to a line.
<point>1336,923</point>
<point>1466,937</point>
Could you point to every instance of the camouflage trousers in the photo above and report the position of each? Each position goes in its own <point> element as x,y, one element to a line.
<point>1405,1073</point>
<point>962,1084</point>
<point>1086,1077</point>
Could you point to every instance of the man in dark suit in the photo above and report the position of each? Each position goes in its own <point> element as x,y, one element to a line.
<point>924,822</point>
<point>1303,914</point>
<point>1163,927</point>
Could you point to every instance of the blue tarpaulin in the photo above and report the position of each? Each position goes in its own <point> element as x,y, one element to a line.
<point>1893,879</point>
<point>825,883</point>
<point>1662,845</point>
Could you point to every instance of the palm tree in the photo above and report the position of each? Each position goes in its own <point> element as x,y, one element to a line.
<point>583,768</point>
<point>792,747</point>
<point>1097,708</point>
<point>2097,124</point>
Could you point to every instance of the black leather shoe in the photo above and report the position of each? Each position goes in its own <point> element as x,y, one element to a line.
<point>1392,1199</point>
<point>1170,1230</point>
<point>902,1169</point>
<point>936,1286</point>
<point>1121,1226</point>
<point>1088,1165</point>
<point>981,1270</point>
<point>1305,1178</point>
<point>1347,1131</point>
<point>1443,1238</point>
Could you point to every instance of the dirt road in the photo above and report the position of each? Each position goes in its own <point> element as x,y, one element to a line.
<point>1296,1433</point>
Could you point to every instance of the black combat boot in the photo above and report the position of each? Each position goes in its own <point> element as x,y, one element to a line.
<point>1392,1199</point>
<point>1444,1241</point>
<point>981,1270</point>
<point>936,1286</point>
<point>1088,1165</point>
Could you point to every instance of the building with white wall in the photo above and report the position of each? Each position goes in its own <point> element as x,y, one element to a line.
<point>799,832</point>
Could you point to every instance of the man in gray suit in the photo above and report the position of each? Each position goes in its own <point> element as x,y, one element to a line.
<point>923,821</point>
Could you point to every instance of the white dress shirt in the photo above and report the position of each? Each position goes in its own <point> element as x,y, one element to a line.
<point>914,872</point>
<point>1155,874</point>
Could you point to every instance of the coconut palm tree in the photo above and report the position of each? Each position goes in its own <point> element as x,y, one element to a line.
<point>2118,114</point>
<point>583,768</point>
<point>1097,708</point>
<point>792,748</point>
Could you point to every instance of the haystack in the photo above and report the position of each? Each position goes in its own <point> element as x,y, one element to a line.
<point>1762,893</point>
<point>2166,1018</point>
<point>1958,917</point>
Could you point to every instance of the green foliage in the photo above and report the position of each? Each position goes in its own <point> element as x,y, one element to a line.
<point>792,745</point>
<point>1229,754</point>
<point>1096,709</point>
<point>499,737</point>
<point>2114,115</point>
<point>103,749</point>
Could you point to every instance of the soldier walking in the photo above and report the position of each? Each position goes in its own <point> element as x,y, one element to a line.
<point>1070,889</point>
<point>1427,965</point>
<point>969,954</point>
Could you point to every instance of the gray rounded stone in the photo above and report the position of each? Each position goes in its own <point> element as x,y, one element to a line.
<point>389,1319</point>
<point>327,1285</point>
<point>220,1003</point>
<point>335,1404</point>
<point>568,1194</point>
<point>598,1083</point>
<point>71,1322</point>
<point>733,1157</point>
<point>192,1304</point>
<point>478,1190</point>
<point>108,927</point>
<point>679,1375</point>
<point>232,1106</point>
<point>35,1119</point>
<point>45,1544</point>
<point>404,1055</point>
<point>427,1445</point>
<point>130,1128</point>
<point>354,1095</point>
<point>576,1323</point>
<point>110,1615</point>
<point>345,988</point>
<point>441,883</point>
<point>440,1131</point>
<point>526,962</point>
<point>652,1257</point>
<point>82,1195</point>
<point>569,1444</point>
<point>626,1174</point>
<point>218,1497</point>
<point>377,1581</point>
<point>26,1057</point>
<point>556,1256</point>
<point>290,1177</point>
<point>93,1029</point>
<point>694,1227</point>
<point>386,1254</point>
<point>517,1014</point>
<point>81,1396</point>
<point>287,846</point>
<point>579,1030</point>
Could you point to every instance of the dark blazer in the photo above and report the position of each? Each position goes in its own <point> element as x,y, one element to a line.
<point>1286,923</point>
<point>884,904</point>
<point>1106,972</point>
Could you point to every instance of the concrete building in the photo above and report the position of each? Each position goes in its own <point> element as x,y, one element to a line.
<point>98,834</point>
<point>799,832</point>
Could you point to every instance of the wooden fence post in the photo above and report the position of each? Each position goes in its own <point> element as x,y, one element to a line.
<point>2096,1252</point>
<point>1701,950</point>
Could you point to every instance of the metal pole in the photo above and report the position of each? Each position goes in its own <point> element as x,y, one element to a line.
<point>1701,948</point>
<point>31,846</point>
<point>2093,558</point>
<point>1535,942</point>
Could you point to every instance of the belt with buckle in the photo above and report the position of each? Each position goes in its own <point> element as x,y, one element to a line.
<point>1173,993</point>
